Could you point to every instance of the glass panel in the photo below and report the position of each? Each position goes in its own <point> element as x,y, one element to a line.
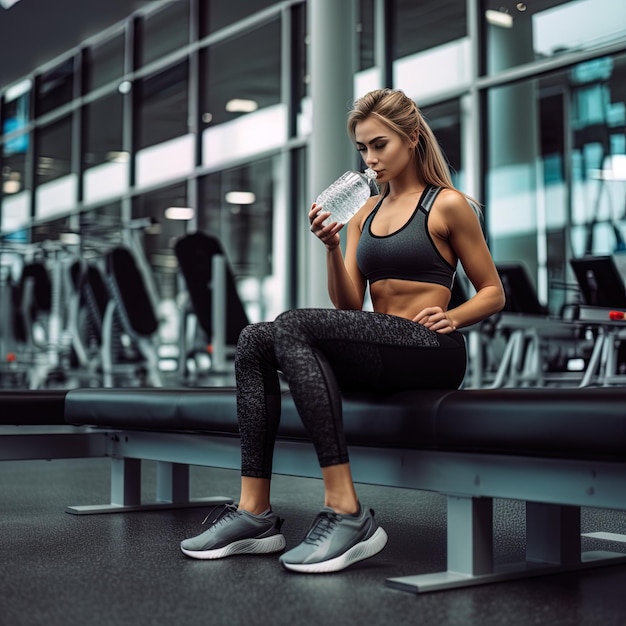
<point>546,204</point>
<point>238,208</point>
<point>445,121</point>
<point>516,220</point>
<point>103,130</point>
<point>54,151</point>
<point>15,184</point>
<point>238,82</point>
<point>598,127</point>
<point>243,90</point>
<point>300,70</point>
<point>162,106</point>
<point>215,14</point>
<point>14,164</point>
<point>294,245</point>
<point>56,185</point>
<point>430,48</point>
<point>104,63</point>
<point>15,109</point>
<point>105,162</point>
<point>100,229</point>
<point>102,224</point>
<point>15,117</point>
<point>55,87</point>
<point>50,231</point>
<point>157,242</point>
<point>365,29</point>
<point>163,31</point>
<point>519,32</point>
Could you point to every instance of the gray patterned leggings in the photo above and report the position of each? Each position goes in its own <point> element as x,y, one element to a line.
<point>323,351</point>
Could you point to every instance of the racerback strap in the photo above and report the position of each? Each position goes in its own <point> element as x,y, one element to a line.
<point>428,199</point>
<point>429,196</point>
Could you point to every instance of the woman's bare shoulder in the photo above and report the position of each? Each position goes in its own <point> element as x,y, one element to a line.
<point>449,198</point>
<point>363,213</point>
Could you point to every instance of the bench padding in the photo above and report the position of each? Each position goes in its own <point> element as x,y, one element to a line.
<point>32,407</point>
<point>580,423</point>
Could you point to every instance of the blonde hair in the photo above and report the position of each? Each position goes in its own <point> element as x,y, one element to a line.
<point>397,111</point>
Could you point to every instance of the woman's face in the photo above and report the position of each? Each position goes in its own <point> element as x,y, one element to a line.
<point>382,149</point>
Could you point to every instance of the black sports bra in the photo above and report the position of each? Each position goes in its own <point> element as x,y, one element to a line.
<point>407,254</point>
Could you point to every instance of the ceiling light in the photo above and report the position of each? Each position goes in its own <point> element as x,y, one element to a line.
<point>124,87</point>
<point>69,239</point>
<point>8,3</point>
<point>45,163</point>
<point>499,18</point>
<point>17,90</point>
<point>240,105</point>
<point>179,213</point>
<point>11,186</point>
<point>240,197</point>
<point>118,156</point>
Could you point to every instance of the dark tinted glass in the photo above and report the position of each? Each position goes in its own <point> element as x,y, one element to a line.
<point>419,26</point>
<point>55,87</point>
<point>215,14</point>
<point>234,75</point>
<point>104,63</point>
<point>162,106</point>
<point>163,32</point>
<point>103,130</point>
<point>243,223</point>
<point>54,151</point>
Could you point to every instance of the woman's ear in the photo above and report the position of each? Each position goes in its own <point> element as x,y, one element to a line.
<point>414,138</point>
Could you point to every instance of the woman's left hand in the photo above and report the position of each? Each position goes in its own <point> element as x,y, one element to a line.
<point>436,319</point>
<point>329,234</point>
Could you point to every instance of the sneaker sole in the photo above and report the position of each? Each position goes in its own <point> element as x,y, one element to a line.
<point>275,543</point>
<point>359,552</point>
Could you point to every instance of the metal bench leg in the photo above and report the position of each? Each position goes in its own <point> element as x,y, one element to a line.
<point>552,534</point>
<point>470,548</point>
<point>172,482</point>
<point>552,546</point>
<point>172,489</point>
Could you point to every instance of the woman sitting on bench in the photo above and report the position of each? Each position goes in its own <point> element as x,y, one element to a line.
<point>405,243</point>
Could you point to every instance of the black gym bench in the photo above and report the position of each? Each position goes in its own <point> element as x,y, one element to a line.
<point>557,449</point>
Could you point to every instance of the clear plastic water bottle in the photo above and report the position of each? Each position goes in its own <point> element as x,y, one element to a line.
<point>346,195</point>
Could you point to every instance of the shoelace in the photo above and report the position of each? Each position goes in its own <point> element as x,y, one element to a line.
<point>322,526</point>
<point>219,514</point>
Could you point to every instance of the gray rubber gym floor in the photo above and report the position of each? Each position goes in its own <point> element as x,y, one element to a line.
<point>113,569</point>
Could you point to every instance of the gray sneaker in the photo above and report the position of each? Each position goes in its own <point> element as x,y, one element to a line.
<point>232,531</point>
<point>334,541</point>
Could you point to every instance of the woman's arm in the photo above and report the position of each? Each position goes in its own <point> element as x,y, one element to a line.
<point>346,284</point>
<point>459,225</point>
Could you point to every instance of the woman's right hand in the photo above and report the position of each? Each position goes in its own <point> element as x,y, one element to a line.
<point>329,234</point>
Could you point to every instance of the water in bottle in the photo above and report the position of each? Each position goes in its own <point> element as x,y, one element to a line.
<point>346,195</point>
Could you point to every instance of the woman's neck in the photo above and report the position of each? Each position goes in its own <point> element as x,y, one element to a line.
<point>401,188</point>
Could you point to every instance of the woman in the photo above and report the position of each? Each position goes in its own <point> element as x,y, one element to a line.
<point>406,248</point>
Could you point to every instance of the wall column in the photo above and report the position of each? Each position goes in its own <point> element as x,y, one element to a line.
<point>332,52</point>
